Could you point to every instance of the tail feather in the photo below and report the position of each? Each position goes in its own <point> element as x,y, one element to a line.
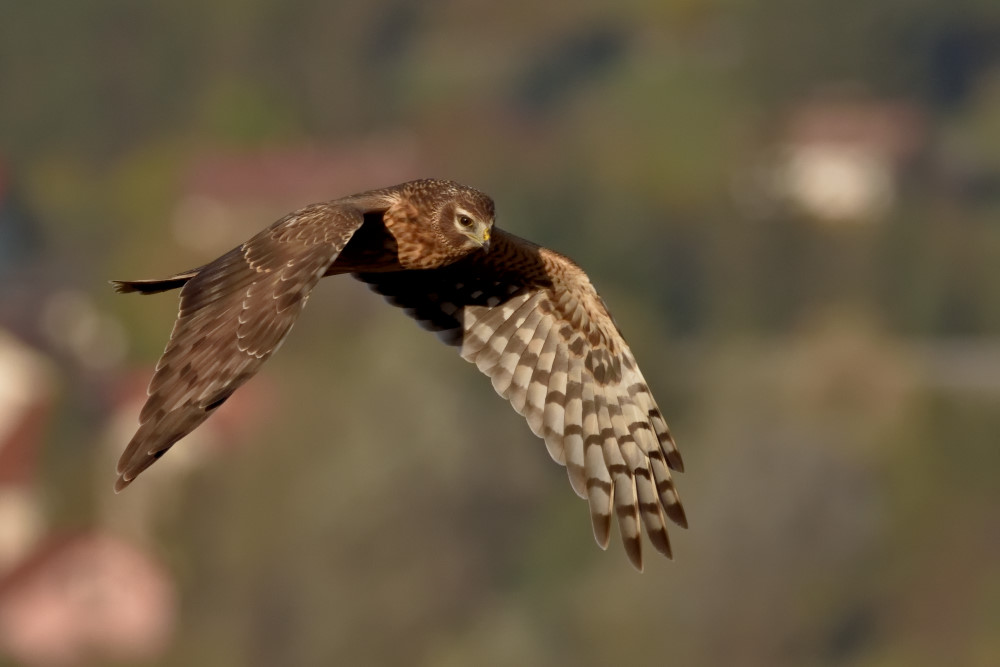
<point>153,286</point>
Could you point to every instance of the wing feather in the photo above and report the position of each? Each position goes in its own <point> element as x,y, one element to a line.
<point>600,485</point>
<point>234,314</point>
<point>573,432</point>
<point>531,321</point>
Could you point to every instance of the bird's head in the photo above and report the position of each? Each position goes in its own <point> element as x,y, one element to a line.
<point>439,222</point>
<point>465,219</point>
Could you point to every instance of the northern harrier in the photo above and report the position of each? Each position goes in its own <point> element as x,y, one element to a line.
<point>526,316</point>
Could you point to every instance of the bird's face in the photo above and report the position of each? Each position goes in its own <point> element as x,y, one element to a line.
<point>466,221</point>
<point>473,226</point>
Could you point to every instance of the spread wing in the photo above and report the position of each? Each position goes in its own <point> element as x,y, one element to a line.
<point>234,313</point>
<point>530,319</point>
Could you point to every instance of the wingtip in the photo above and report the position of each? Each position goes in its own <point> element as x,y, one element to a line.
<point>121,287</point>
<point>121,483</point>
<point>677,514</point>
<point>661,542</point>
<point>634,552</point>
<point>601,525</point>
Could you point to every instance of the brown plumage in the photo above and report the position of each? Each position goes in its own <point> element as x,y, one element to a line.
<point>528,317</point>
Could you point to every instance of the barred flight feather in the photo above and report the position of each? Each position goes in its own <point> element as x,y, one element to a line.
<point>545,339</point>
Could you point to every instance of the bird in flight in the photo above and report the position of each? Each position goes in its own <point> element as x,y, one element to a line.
<point>528,317</point>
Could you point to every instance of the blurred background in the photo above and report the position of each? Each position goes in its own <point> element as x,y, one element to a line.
<point>793,208</point>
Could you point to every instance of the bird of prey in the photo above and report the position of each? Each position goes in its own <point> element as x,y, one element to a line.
<point>528,317</point>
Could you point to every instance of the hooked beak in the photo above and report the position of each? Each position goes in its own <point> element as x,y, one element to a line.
<point>484,242</point>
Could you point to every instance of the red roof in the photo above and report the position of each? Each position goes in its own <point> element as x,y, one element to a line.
<point>86,596</point>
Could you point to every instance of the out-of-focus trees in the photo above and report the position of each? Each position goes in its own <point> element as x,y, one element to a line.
<point>832,378</point>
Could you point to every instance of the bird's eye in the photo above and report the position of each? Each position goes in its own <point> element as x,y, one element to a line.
<point>465,221</point>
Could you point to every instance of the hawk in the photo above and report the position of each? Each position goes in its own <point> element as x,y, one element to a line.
<point>528,317</point>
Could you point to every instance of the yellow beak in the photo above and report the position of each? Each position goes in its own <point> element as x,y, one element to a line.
<point>485,241</point>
